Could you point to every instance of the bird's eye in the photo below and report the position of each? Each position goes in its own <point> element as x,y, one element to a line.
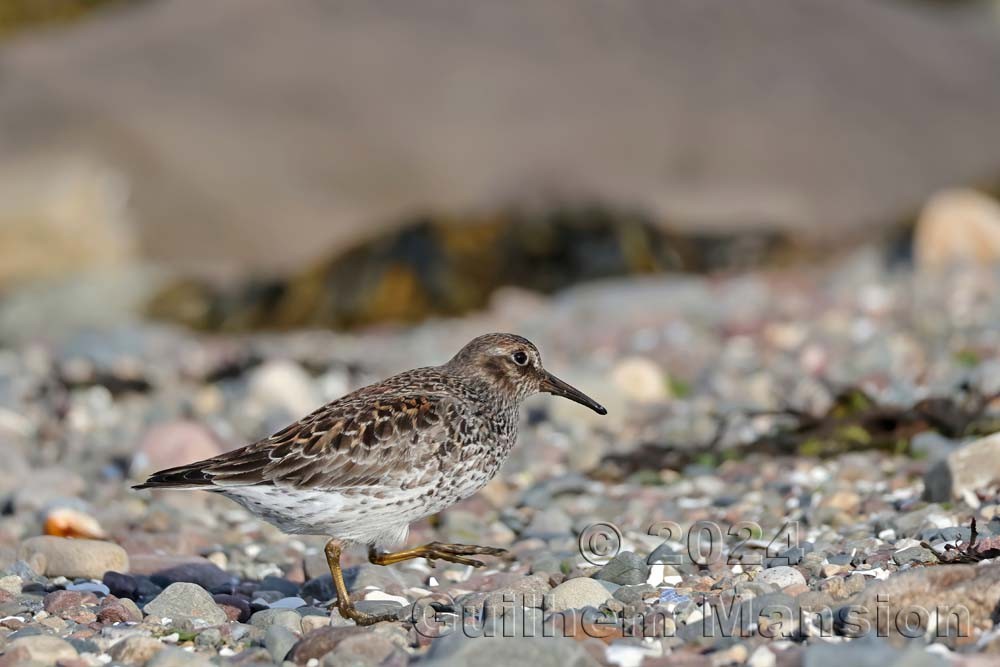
<point>520,358</point>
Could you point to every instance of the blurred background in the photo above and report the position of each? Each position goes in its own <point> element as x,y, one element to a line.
<point>248,164</point>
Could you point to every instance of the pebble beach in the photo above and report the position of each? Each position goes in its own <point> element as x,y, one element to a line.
<point>797,468</point>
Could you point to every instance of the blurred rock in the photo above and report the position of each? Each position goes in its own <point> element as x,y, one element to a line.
<point>47,486</point>
<point>641,380</point>
<point>172,444</point>
<point>136,650</point>
<point>173,656</point>
<point>43,650</point>
<point>203,573</point>
<point>456,649</point>
<point>870,653</point>
<point>576,594</point>
<point>120,585</point>
<point>68,522</point>
<point>279,641</point>
<point>283,384</point>
<point>958,600</point>
<point>236,607</point>
<point>282,617</point>
<point>957,227</point>
<point>964,470</point>
<point>61,217</point>
<point>319,642</point>
<point>60,556</point>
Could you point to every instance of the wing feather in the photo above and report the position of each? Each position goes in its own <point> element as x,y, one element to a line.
<point>371,437</point>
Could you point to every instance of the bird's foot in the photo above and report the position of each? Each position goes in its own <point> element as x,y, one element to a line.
<point>453,553</point>
<point>364,618</point>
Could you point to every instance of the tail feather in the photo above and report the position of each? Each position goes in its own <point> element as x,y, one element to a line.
<point>192,476</point>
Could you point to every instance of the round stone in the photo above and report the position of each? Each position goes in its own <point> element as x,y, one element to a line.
<point>576,594</point>
<point>186,602</point>
<point>782,576</point>
<point>72,558</point>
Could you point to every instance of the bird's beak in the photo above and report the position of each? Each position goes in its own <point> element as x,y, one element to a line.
<point>553,385</point>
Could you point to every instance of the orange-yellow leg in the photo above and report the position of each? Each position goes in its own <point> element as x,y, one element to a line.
<point>333,550</point>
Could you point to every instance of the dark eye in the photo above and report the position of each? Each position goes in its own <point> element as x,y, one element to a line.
<point>520,358</point>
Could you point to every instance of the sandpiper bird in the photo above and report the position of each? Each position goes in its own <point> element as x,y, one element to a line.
<point>362,468</point>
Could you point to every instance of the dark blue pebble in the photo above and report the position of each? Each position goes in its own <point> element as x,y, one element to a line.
<point>236,601</point>
<point>207,575</point>
<point>121,585</point>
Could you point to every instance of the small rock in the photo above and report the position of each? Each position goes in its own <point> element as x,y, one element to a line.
<point>318,643</point>
<point>576,594</point>
<point>90,587</point>
<point>120,585</point>
<point>204,573</point>
<point>114,610</point>
<point>286,618</point>
<point>319,589</point>
<point>634,595</point>
<point>43,649</point>
<point>57,602</point>
<point>208,638</point>
<point>457,649</point>
<point>371,649</point>
<point>549,523</point>
<point>845,501</point>
<point>71,558</point>
<point>286,587</point>
<point>288,603</point>
<point>236,607</point>
<point>957,226</point>
<point>627,568</point>
<point>641,380</point>
<point>912,523</point>
<point>11,584</point>
<point>283,384</point>
<point>914,555</point>
<point>135,650</point>
<point>70,522</point>
<point>279,641</point>
<point>762,657</point>
<point>782,576</point>
<point>171,656</point>
<point>970,467</point>
<point>868,654</point>
<point>314,622</point>
<point>185,601</point>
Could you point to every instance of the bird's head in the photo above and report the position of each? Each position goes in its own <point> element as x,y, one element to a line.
<point>511,365</point>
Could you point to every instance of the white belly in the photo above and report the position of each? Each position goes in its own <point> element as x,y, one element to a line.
<point>362,517</point>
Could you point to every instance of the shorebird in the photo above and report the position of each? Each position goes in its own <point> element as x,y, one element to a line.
<point>362,468</point>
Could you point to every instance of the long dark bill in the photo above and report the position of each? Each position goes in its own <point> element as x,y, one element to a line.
<point>553,385</point>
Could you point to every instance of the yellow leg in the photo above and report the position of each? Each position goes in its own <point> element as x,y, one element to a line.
<point>333,550</point>
<point>453,553</point>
